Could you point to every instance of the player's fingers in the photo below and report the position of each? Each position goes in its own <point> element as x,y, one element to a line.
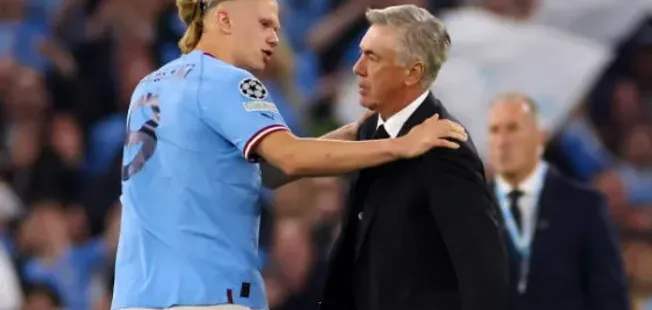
<point>433,119</point>
<point>448,144</point>
<point>458,136</point>
<point>455,126</point>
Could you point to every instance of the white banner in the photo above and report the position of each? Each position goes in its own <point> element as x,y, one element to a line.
<point>606,21</point>
<point>490,55</point>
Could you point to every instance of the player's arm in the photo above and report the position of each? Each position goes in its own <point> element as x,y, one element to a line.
<point>320,157</point>
<point>274,177</point>
<point>301,157</point>
<point>236,106</point>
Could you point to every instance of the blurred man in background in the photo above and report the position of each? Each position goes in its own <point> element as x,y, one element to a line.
<point>422,233</point>
<point>565,253</point>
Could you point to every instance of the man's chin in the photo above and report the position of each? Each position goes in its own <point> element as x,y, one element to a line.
<point>366,103</point>
<point>505,170</point>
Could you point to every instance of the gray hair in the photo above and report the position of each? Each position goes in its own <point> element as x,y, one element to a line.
<point>424,37</point>
<point>519,97</point>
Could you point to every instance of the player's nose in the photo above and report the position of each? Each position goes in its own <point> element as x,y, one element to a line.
<point>274,40</point>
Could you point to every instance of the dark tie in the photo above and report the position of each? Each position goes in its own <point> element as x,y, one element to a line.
<point>514,196</point>
<point>380,133</point>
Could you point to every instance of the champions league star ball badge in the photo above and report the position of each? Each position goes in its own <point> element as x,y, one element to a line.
<point>253,89</point>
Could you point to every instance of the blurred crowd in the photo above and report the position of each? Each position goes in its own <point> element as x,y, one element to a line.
<point>67,70</point>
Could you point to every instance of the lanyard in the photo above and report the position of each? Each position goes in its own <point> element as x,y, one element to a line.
<point>522,242</point>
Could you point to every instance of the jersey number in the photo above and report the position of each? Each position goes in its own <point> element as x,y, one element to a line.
<point>145,136</point>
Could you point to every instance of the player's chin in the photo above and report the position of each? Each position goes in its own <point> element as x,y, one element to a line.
<point>256,64</point>
<point>261,64</point>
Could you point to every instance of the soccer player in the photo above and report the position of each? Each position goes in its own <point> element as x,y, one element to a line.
<point>197,127</point>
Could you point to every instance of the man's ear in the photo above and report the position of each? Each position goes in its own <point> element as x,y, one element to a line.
<point>415,74</point>
<point>223,20</point>
<point>543,137</point>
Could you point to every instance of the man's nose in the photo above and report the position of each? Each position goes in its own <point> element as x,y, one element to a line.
<point>358,67</point>
<point>504,143</point>
<point>501,140</point>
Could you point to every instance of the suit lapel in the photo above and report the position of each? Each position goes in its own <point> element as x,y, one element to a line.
<point>428,108</point>
<point>425,110</point>
<point>546,206</point>
<point>361,187</point>
<point>368,127</point>
<point>365,132</point>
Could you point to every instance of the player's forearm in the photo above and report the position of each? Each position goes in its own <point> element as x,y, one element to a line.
<point>345,133</point>
<point>318,157</point>
<point>274,177</point>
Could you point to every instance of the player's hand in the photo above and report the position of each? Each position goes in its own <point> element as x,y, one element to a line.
<point>434,132</point>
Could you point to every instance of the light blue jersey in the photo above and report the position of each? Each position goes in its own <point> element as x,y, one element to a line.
<point>190,218</point>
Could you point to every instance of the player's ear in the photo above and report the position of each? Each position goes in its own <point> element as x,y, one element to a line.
<point>223,19</point>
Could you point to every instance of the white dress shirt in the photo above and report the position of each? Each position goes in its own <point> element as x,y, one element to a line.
<point>531,188</point>
<point>394,124</point>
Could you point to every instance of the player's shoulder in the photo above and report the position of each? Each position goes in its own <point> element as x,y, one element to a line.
<point>228,79</point>
<point>215,69</point>
<point>176,69</point>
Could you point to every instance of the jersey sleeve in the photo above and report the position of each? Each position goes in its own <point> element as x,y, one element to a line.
<point>239,107</point>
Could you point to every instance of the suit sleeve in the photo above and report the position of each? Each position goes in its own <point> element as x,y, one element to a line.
<point>468,222</point>
<point>603,273</point>
<point>239,108</point>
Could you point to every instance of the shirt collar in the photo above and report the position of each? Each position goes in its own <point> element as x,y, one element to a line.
<point>530,186</point>
<point>394,124</point>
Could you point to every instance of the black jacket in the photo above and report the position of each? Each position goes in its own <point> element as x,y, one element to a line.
<point>421,234</point>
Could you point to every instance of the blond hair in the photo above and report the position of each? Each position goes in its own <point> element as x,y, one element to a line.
<point>424,37</point>
<point>192,13</point>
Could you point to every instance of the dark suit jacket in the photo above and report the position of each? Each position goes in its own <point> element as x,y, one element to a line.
<point>421,234</point>
<point>576,262</point>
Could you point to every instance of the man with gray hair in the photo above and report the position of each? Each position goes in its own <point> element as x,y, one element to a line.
<point>420,233</point>
<point>577,263</point>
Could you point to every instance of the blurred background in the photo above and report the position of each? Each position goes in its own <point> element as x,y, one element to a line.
<point>68,67</point>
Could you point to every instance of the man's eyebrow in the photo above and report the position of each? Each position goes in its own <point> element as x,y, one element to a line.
<point>367,51</point>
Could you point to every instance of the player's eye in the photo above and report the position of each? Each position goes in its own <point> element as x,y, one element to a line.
<point>266,23</point>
